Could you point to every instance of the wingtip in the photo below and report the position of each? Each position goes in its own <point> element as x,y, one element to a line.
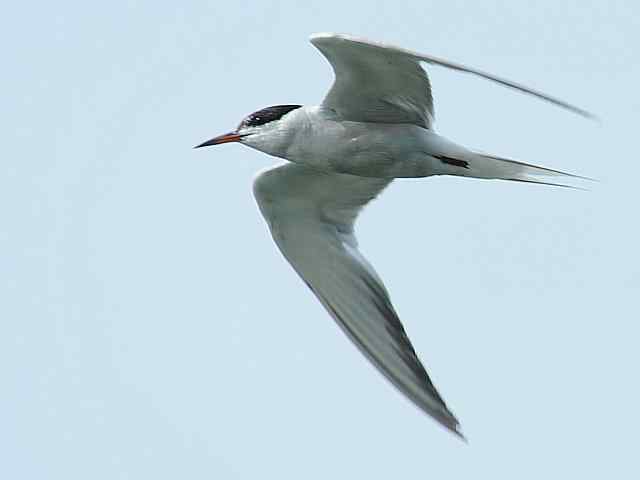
<point>455,429</point>
<point>450,422</point>
<point>595,118</point>
<point>461,436</point>
<point>588,115</point>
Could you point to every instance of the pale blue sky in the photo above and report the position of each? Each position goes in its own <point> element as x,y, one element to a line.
<point>150,328</point>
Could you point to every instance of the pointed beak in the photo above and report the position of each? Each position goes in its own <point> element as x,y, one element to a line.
<point>226,138</point>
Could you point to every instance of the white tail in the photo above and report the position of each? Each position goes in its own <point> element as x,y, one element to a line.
<point>489,166</point>
<point>454,159</point>
<point>478,165</point>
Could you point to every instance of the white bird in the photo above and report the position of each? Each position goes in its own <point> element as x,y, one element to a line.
<point>374,125</point>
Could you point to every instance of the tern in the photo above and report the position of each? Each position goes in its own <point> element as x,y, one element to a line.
<point>373,126</point>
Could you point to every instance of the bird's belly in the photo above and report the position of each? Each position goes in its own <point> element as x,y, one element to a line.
<point>366,150</point>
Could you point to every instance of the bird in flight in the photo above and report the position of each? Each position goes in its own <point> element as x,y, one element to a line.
<point>373,126</point>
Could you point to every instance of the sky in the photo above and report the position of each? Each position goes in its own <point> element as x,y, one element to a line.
<point>150,328</point>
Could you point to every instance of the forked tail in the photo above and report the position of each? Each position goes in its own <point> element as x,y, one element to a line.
<point>479,165</point>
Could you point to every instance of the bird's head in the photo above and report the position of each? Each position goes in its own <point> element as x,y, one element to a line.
<point>264,130</point>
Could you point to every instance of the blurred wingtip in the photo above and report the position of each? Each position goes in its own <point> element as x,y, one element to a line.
<point>451,423</point>
<point>460,435</point>
<point>590,116</point>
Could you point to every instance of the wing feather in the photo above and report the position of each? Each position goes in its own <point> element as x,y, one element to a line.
<point>311,216</point>
<point>381,83</point>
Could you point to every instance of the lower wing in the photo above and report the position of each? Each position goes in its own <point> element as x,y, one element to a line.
<point>311,216</point>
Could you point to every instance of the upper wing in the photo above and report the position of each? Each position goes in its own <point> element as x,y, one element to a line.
<point>385,84</point>
<point>311,216</point>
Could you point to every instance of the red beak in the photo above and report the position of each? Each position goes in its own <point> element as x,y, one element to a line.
<point>226,138</point>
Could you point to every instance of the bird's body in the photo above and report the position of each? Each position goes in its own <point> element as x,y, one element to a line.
<point>318,138</point>
<point>374,125</point>
<point>358,148</point>
<point>365,149</point>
